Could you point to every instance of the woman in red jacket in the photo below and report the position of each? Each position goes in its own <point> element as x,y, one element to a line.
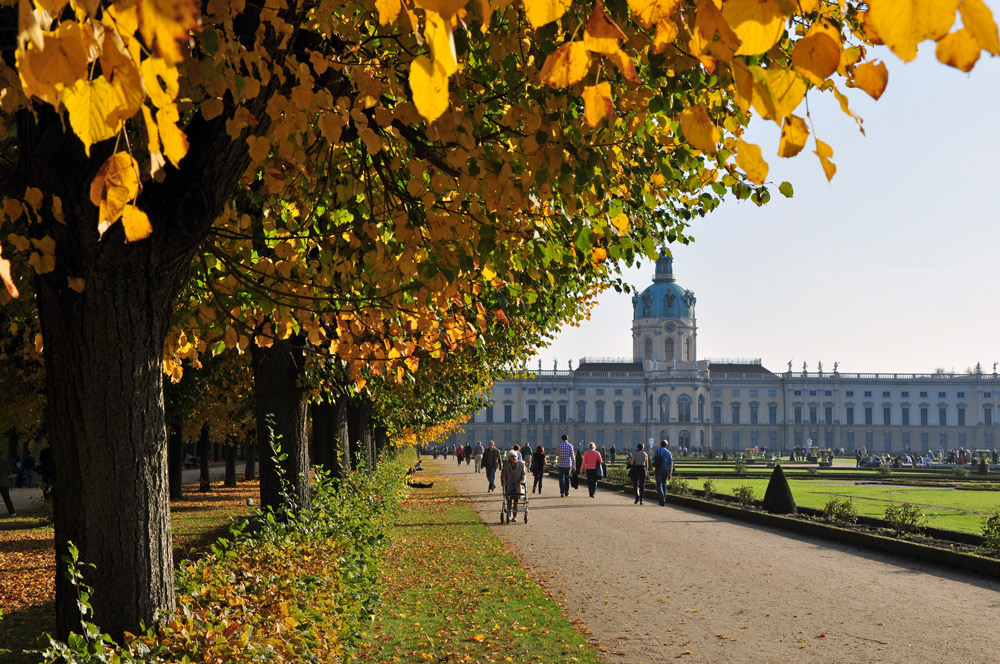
<point>592,465</point>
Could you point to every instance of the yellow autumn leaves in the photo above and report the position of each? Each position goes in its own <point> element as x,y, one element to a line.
<point>101,72</point>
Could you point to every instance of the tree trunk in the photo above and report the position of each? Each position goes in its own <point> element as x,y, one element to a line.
<point>342,435</point>
<point>175,462</point>
<point>230,480</point>
<point>279,397</point>
<point>103,363</point>
<point>359,431</point>
<point>204,445</point>
<point>325,442</point>
<point>11,443</point>
<point>250,469</point>
<point>381,441</point>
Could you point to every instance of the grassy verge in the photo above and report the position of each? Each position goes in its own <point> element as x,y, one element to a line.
<point>454,594</point>
<point>28,563</point>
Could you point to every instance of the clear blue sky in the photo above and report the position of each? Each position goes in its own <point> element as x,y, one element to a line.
<point>892,266</point>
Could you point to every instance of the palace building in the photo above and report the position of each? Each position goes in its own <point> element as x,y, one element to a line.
<point>665,390</point>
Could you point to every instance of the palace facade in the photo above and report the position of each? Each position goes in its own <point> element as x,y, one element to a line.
<point>666,391</point>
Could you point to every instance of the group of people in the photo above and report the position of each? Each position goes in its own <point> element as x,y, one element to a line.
<point>590,465</point>
<point>21,471</point>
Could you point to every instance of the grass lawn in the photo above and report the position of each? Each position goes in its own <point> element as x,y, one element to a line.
<point>945,507</point>
<point>454,594</point>
<point>27,559</point>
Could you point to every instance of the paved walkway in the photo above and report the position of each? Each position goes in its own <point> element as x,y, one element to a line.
<point>654,584</point>
<point>25,499</point>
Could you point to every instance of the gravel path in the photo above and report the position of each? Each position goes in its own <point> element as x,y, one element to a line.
<point>653,584</point>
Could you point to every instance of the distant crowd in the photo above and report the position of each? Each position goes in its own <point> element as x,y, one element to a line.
<point>959,456</point>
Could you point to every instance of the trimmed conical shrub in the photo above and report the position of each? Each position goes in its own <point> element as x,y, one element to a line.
<point>778,497</point>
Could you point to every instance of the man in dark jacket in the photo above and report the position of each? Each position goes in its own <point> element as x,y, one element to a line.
<point>491,461</point>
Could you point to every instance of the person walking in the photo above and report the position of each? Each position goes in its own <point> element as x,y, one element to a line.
<point>591,465</point>
<point>491,461</point>
<point>565,456</point>
<point>48,470</point>
<point>468,453</point>
<point>459,453</point>
<point>5,487</point>
<point>612,453</point>
<point>638,466</point>
<point>538,468</point>
<point>663,469</point>
<point>512,481</point>
<point>29,469</point>
<point>477,452</point>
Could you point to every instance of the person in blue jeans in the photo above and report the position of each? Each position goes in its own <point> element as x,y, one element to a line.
<point>663,467</point>
<point>565,458</point>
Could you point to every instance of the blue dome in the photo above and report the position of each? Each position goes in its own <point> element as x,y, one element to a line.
<point>664,298</point>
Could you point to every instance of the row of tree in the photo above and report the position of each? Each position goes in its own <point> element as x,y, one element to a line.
<point>383,204</point>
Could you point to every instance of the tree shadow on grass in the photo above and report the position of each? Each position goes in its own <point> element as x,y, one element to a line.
<point>20,629</point>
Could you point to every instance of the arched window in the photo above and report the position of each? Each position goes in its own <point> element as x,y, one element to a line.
<point>684,409</point>
<point>687,350</point>
<point>649,348</point>
<point>685,439</point>
<point>664,409</point>
<point>669,349</point>
<point>701,408</point>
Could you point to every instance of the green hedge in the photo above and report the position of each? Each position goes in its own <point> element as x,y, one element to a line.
<point>296,588</point>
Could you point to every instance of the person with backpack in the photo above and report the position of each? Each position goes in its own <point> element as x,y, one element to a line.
<point>663,469</point>
<point>565,456</point>
<point>538,468</point>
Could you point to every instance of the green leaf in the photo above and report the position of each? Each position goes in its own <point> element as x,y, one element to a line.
<point>786,189</point>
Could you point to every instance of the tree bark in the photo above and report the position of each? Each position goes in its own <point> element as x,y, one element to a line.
<point>359,424</point>
<point>279,396</point>
<point>325,438</point>
<point>381,441</point>
<point>204,445</point>
<point>103,360</point>
<point>230,480</point>
<point>342,435</point>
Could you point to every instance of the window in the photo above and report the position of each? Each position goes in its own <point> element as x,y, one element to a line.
<point>547,437</point>
<point>887,440</point>
<point>828,414</point>
<point>717,439</point>
<point>581,411</point>
<point>812,393</point>
<point>772,414</point>
<point>925,439</point>
<point>988,416</point>
<point>798,414</point>
<point>600,437</point>
<point>664,409</point>
<point>849,393</point>
<point>850,439</point>
<point>904,394</point>
<point>923,417</point>
<point>508,390</point>
<point>717,414</point>
<point>547,390</point>
<point>687,349</point>
<point>797,393</point>
<point>508,412</point>
<point>942,395</point>
<point>531,412</point>
<point>961,395</point>
<point>649,348</point>
<point>618,393</point>
<point>562,412</point>
<point>987,395</point>
<point>701,408</point>
<point>619,437</point>
<point>753,393</point>
<point>619,413</point>
<point>828,438</point>
<point>886,395</point>
<point>961,417</point>
<point>562,390</point>
<point>813,414</point>
<point>684,409</point>
<point>828,393</point>
<point>736,439</point>
<point>668,349</point>
<point>489,414</point>
<point>582,391</point>
<point>850,415</point>
<point>906,416</point>
<point>531,390</point>
<point>868,416</point>
<point>599,412</point>
<point>943,416</point>
<point>753,438</point>
<point>989,440</point>
<point>868,438</point>
<point>961,439</point>
<point>754,414</point>
<point>868,393</point>
<point>716,393</point>
<point>637,412</point>
<point>636,393</point>
<point>772,393</point>
<point>944,440</point>
<point>736,413</point>
<point>887,415</point>
<point>734,393</point>
<point>923,395</point>
<point>508,436</point>
<point>600,392</point>
<point>547,412</point>
<point>906,440</point>
<point>773,439</point>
